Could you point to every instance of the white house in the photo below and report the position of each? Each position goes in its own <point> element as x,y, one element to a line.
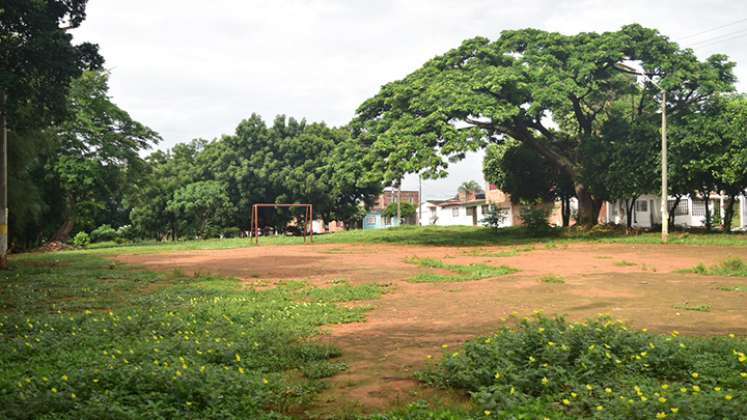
<point>690,212</point>
<point>465,209</point>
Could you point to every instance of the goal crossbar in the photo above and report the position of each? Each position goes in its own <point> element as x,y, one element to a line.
<point>308,227</point>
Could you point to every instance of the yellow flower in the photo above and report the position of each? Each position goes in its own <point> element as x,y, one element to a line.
<point>238,358</point>
<point>589,387</point>
<point>429,357</point>
<point>241,370</point>
<point>608,390</point>
<point>444,346</point>
<point>743,374</point>
<point>566,402</point>
<point>696,388</point>
<point>545,381</point>
<point>728,397</point>
<point>600,408</point>
<point>695,375</point>
<point>683,390</point>
<point>265,381</point>
<point>54,390</point>
<point>717,388</point>
<point>487,412</point>
<point>664,386</point>
<point>661,415</point>
<point>73,396</point>
<point>662,400</point>
<point>574,395</point>
<point>540,329</point>
<point>732,336</point>
<point>64,378</point>
<point>178,373</point>
<point>675,410</point>
<point>497,375</point>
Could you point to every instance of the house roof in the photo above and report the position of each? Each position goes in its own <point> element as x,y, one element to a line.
<point>454,203</point>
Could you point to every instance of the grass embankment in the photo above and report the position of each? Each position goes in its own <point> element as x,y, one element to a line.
<point>459,272</point>
<point>82,337</point>
<point>434,235</point>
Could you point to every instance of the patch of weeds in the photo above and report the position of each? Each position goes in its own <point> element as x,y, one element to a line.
<point>600,368</point>
<point>140,344</point>
<point>322,369</point>
<point>552,278</point>
<point>482,252</point>
<point>697,308</point>
<point>460,272</point>
<point>343,292</point>
<point>623,263</point>
<point>730,267</point>
<point>739,288</point>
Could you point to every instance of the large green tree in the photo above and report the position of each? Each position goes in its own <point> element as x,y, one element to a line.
<point>546,90</point>
<point>96,158</point>
<point>37,62</point>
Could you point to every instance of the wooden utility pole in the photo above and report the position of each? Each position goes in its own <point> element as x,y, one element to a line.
<point>3,180</point>
<point>399,199</point>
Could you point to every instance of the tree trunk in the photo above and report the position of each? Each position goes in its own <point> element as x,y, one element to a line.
<point>708,218</point>
<point>729,213</point>
<point>629,205</point>
<point>565,210</point>
<point>677,199</point>
<point>588,206</point>
<point>3,181</point>
<point>63,232</point>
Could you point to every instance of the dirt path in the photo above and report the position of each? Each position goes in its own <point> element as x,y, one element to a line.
<point>637,283</point>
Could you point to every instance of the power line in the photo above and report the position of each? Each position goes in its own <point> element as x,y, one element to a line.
<point>720,38</point>
<point>714,29</point>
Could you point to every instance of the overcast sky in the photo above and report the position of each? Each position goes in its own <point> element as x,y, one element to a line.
<point>191,69</point>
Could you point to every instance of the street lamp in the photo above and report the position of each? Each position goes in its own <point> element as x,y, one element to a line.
<point>664,188</point>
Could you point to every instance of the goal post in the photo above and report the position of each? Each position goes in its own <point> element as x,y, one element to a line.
<point>308,227</point>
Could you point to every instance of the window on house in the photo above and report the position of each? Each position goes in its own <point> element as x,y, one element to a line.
<point>387,221</point>
<point>455,211</point>
<point>641,205</point>
<point>371,220</point>
<point>698,208</point>
<point>492,187</point>
<point>471,211</point>
<point>485,210</point>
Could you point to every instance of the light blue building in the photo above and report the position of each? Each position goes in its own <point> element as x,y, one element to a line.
<point>375,220</point>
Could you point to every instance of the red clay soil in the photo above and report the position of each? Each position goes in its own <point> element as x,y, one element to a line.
<point>636,283</point>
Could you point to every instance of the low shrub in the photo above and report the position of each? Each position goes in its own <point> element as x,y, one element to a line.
<point>81,239</point>
<point>730,267</point>
<point>599,368</point>
<point>535,217</point>
<point>103,233</point>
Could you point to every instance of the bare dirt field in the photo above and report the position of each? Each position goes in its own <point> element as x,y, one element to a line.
<point>637,283</point>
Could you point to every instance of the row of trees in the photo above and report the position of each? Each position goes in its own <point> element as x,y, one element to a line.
<point>87,171</point>
<point>198,188</point>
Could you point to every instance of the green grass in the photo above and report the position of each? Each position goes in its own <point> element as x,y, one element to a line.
<point>343,292</point>
<point>459,272</point>
<point>704,307</point>
<point>84,338</point>
<point>552,278</point>
<point>437,236</point>
<point>623,263</point>
<point>731,267</point>
<point>600,369</point>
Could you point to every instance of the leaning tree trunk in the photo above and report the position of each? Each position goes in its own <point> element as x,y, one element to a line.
<point>629,205</point>
<point>729,213</point>
<point>565,210</point>
<point>671,214</point>
<point>588,206</point>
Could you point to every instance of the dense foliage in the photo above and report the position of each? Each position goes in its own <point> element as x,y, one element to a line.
<point>598,369</point>
<point>559,95</point>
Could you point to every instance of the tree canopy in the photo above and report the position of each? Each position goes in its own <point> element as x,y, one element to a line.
<point>548,91</point>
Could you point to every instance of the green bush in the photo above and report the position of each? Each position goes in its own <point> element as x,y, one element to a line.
<point>231,232</point>
<point>125,233</point>
<point>599,368</point>
<point>103,233</point>
<point>535,217</point>
<point>81,239</point>
<point>494,218</point>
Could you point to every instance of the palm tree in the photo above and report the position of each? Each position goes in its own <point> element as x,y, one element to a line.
<point>470,187</point>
